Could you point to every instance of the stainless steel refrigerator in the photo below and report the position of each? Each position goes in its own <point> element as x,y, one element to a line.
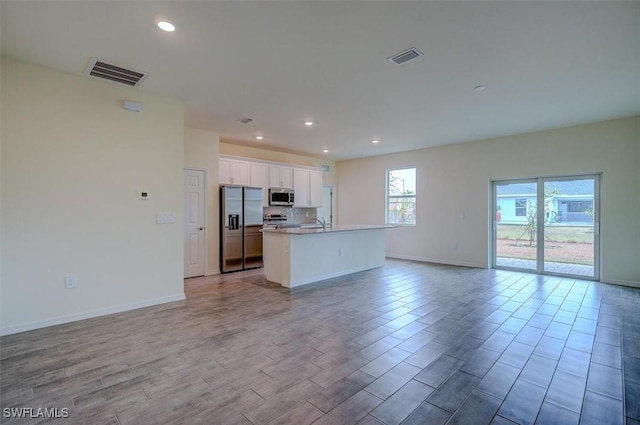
<point>240,224</point>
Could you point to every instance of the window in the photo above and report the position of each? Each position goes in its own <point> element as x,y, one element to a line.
<point>579,206</point>
<point>521,207</point>
<point>401,196</point>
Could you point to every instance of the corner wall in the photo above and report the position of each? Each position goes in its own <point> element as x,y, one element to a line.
<point>453,192</point>
<point>72,163</point>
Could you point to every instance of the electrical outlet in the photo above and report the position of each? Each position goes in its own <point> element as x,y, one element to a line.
<point>339,252</point>
<point>70,282</point>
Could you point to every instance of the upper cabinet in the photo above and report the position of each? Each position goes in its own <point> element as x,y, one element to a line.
<point>305,182</point>
<point>233,171</point>
<point>307,186</point>
<point>260,178</point>
<point>280,176</point>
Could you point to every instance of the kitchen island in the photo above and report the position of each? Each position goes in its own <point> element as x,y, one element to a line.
<point>298,256</point>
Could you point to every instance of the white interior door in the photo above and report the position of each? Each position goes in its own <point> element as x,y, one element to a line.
<point>194,222</point>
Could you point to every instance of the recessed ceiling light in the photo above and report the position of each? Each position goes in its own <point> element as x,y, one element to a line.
<point>259,137</point>
<point>308,123</point>
<point>375,142</point>
<point>325,150</point>
<point>166,26</point>
<point>479,88</point>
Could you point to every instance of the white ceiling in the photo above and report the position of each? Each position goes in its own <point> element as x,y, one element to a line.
<point>545,65</point>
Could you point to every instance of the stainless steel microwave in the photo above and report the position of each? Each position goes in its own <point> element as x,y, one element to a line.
<point>281,197</point>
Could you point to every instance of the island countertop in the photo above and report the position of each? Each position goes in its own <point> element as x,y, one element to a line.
<point>328,229</point>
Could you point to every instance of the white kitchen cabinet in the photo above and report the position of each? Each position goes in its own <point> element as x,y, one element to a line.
<point>307,186</point>
<point>260,178</point>
<point>306,182</point>
<point>233,171</point>
<point>280,176</point>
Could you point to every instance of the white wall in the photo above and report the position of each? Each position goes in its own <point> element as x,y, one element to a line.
<point>201,150</point>
<point>72,162</point>
<point>453,191</point>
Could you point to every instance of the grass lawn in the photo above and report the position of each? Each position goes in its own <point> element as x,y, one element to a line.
<point>563,244</point>
<point>570,234</point>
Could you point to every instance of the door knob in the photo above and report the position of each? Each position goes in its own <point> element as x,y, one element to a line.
<point>200,228</point>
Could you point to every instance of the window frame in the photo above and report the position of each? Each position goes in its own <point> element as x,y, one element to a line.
<point>389,197</point>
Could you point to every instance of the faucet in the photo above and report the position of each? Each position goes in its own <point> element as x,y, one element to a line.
<point>322,222</point>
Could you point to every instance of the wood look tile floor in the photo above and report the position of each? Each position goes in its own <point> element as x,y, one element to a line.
<point>408,343</point>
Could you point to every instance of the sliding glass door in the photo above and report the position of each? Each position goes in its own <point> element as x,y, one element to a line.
<point>515,218</point>
<point>570,229</point>
<point>547,225</point>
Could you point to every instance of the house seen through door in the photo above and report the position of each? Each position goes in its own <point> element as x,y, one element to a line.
<point>547,225</point>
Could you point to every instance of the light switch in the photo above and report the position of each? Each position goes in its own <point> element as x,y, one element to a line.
<point>70,282</point>
<point>165,218</point>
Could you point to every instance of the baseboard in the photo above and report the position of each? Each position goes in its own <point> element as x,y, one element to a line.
<point>629,283</point>
<point>437,261</point>
<point>212,272</point>
<point>23,327</point>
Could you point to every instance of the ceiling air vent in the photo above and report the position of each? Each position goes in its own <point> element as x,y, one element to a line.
<point>101,69</point>
<point>405,56</point>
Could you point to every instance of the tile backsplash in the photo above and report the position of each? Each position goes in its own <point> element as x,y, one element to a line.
<point>294,215</point>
